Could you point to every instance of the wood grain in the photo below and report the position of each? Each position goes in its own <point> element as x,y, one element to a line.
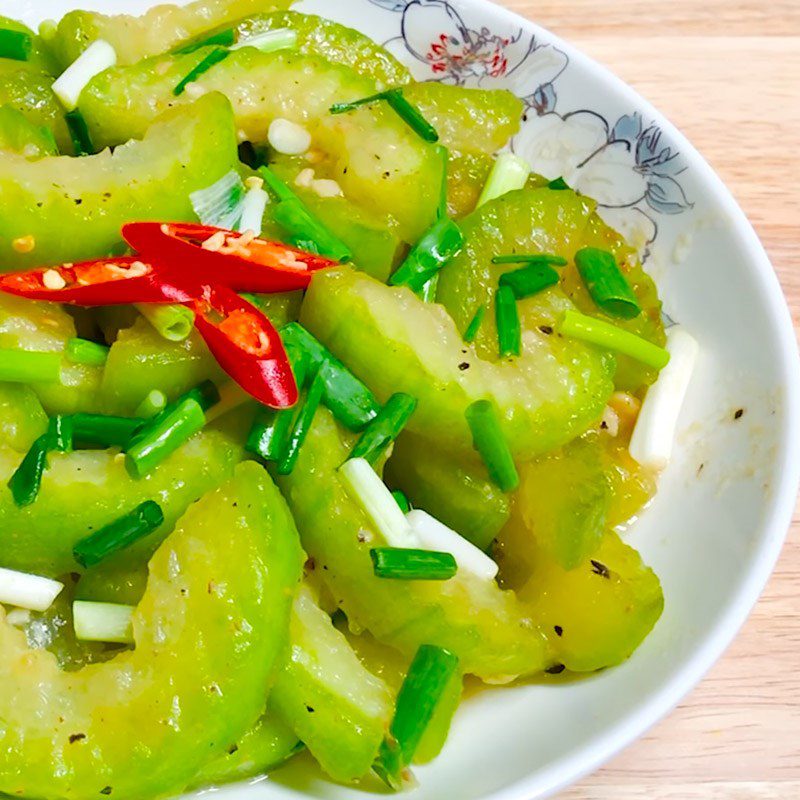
<point>727,72</point>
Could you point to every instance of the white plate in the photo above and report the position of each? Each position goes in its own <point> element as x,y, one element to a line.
<point>715,529</point>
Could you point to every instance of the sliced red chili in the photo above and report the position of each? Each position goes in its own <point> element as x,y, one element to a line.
<point>246,345</point>
<point>214,255</point>
<point>104,282</point>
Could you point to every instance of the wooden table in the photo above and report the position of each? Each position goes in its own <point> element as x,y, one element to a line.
<point>727,72</point>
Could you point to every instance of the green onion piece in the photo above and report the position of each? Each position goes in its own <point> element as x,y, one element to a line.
<point>607,285</point>
<point>101,430</point>
<point>408,564</point>
<point>437,246</point>
<point>444,154</point>
<point>610,337</point>
<point>271,428</point>
<point>428,292</point>
<point>509,334</point>
<point>154,402</point>
<point>119,534</point>
<point>351,402</point>
<point>162,435</point>
<point>79,133</point>
<point>224,38</point>
<point>401,500</point>
<point>530,258</point>
<point>102,622</point>
<point>60,431</point>
<point>474,326</point>
<point>173,322</point>
<point>302,424</point>
<point>304,229</point>
<point>409,113</point>
<point>214,57</point>
<point>83,351</point>
<point>220,204</point>
<point>269,41</point>
<point>15,45</point>
<point>384,428</point>
<point>508,173</point>
<point>27,478</point>
<point>424,685</point>
<point>25,366</point>
<point>491,444</point>
<point>206,394</point>
<point>558,184</point>
<point>529,280</point>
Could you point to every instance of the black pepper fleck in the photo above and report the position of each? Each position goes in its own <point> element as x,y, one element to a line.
<point>556,669</point>
<point>600,569</point>
<point>463,365</point>
<point>232,749</point>
<point>106,790</point>
<point>309,709</point>
<point>546,329</point>
<point>738,413</point>
<point>76,737</point>
<point>310,564</point>
<point>558,629</point>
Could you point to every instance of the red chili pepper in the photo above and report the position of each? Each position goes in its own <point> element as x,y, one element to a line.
<point>246,345</point>
<point>104,282</point>
<point>215,255</point>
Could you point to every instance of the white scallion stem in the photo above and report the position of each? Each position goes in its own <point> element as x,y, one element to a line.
<point>509,172</point>
<point>173,322</point>
<point>370,492</point>
<point>27,591</point>
<point>279,39</point>
<point>103,622</point>
<point>221,203</point>
<point>654,433</point>
<point>98,56</point>
<point>435,535</point>
<point>253,207</point>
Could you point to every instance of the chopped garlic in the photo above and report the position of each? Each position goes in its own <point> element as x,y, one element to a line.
<point>52,280</point>
<point>18,617</point>
<point>654,434</point>
<point>288,137</point>
<point>214,242</point>
<point>194,90</point>
<point>326,188</point>
<point>304,178</point>
<point>98,56</point>
<point>24,244</point>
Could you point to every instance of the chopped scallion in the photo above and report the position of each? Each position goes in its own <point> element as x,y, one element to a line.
<point>370,492</point>
<point>119,534</point>
<point>530,258</point>
<point>83,351</point>
<point>79,133</point>
<point>27,478</point>
<point>303,228</point>
<point>154,402</point>
<point>15,45</point>
<point>102,622</point>
<point>224,38</point>
<point>209,60</point>
<point>529,280</point>
<point>607,285</point>
<point>96,58</point>
<point>25,366</point>
<point>269,41</point>
<point>410,564</point>
<point>509,334</point>
<point>351,402</point>
<point>409,113</point>
<point>610,337</point>
<point>474,326</point>
<point>490,442</point>
<point>509,172</point>
<point>302,425</point>
<point>428,676</point>
<point>27,591</point>
<point>173,322</point>
<point>100,430</point>
<point>428,291</point>
<point>558,184</point>
<point>162,435</point>
<point>220,204</point>
<point>437,246</point>
<point>253,207</point>
<point>401,500</point>
<point>206,394</point>
<point>384,428</point>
